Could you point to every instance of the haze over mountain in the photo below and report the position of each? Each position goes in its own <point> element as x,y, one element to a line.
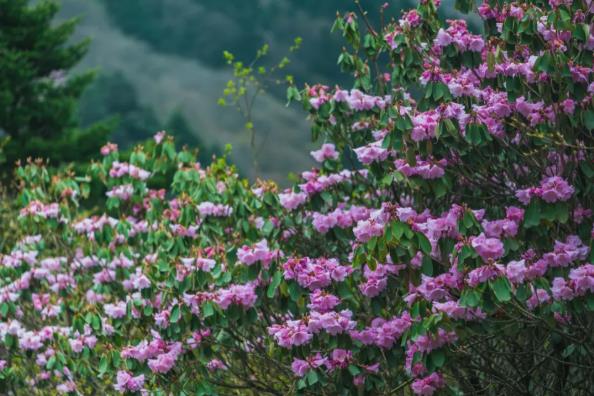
<point>160,64</point>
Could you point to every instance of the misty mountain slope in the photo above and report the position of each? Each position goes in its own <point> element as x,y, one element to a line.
<point>187,28</point>
<point>168,82</point>
<point>170,51</point>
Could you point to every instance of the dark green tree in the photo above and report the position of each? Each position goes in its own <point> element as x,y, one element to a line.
<point>38,94</point>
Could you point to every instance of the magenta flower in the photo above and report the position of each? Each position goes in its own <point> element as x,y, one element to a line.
<point>327,151</point>
<point>429,385</point>
<point>127,383</point>
<point>553,189</point>
<point>291,200</point>
<point>488,248</point>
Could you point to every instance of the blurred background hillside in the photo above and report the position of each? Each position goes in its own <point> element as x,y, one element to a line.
<point>159,65</point>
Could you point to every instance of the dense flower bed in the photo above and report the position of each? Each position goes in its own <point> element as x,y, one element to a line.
<point>442,245</point>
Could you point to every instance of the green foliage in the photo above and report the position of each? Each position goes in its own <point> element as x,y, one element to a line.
<point>253,80</point>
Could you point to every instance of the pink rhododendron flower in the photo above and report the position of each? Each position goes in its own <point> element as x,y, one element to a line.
<point>327,151</point>
<point>128,383</point>
<point>488,248</point>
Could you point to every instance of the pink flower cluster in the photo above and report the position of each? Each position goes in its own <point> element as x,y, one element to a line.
<point>372,152</point>
<point>483,274</point>
<point>367,229</point>
<point>435,288</point>
<point>424,344</point>
<point>458,35</point>
<point>581,281</point>
<point>552,189</point>
<point>425,125</point>
<point>327,151</point>
<point>383,333</point>
<point>488,248</point>
<point>37,208</point>
<point>425,169</point>
<point>126,382</point>
<point>291,333</point>
<point>331,322</point>
<point>376,280</point>
<point>159,354</point>
<point>216,210</point>
<point>428,385</point>
<point>507,227</point>
<point>260,251</point>
<point>315,182</point>
<point>360,101</point>
<point>322,301</point>
<point>123,192</point>
<point>292,200</point>
<point>563,254</point>
<point>339,217</point>
<point>457,312</point>
<point>191,264</point>
<point>315,273</point>
<point>242,295</point>
<point>339,358</point>
<point>121,169</point>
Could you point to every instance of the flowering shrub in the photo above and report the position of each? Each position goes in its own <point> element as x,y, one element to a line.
<point>453,257</point>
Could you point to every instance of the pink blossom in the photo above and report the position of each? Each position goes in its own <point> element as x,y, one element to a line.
<point>429,385</point>
<point>216,364</point>
<point>127,383</point>
<point>383,333</point>
<point>243,295</point>
<point>292,200</point>
<point>482,275</point>
<point>367,229</point>
<point>327,151</point>
<point>553,189</point>
<point>488,248</point>
<point>159,136</point>
<point>291,333</point>
<point>322,301</point>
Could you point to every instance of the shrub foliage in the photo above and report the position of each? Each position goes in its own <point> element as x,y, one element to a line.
<point>443,245</point>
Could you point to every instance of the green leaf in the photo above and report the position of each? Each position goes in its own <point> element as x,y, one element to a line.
<point>437,358</point>
<point>470,298</point>
<point>207,309</point>
<point>522,293</point>
<point>544,63</point>
<point>468,219</point>
<point>103,364</point>
<point>175,314</point>
<point>276,280</point>
<point>4,309</point>
<point>294,291</point>
<point>312,377</point>
<point>568,351</point>
<point>465,253</point>
<point>589,119</point>
<point>424,243</point>
<point>501,288</point>
<point>590,302</point>
<point>354,370</point>
<point>427,266</point>
<point>51,363</point>
<point>587,169</point>
<point>532,214</point>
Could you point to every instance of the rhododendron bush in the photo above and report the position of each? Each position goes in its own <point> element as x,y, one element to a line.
<point>442,245</point>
